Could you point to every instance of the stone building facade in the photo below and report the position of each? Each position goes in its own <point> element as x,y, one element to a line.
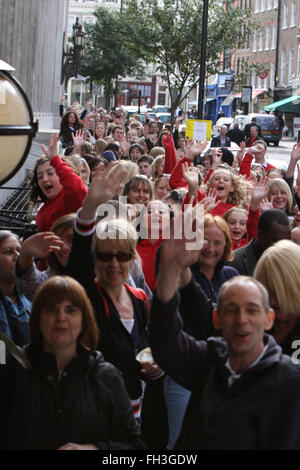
<point>31,40</point>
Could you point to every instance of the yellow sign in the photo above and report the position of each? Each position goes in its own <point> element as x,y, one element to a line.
<point>198,129</point>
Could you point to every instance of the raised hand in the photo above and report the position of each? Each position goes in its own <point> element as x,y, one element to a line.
<point>180,251</point>
<point>296,152</point>
<point>191,176</point>
<point>259,192</point>
<point>209,201</point>
<point>52,149</point>
<point>39,245</point>
<point>104,186</point>
<point>78,140</point>
<point>266,204</point>
<point>195,148</point>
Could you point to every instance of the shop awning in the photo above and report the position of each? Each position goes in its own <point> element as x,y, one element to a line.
<point>255,93</point>
<point>288,105</point>
<point>228,100</point>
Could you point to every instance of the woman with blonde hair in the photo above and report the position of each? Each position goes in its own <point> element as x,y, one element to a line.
<point>100,260</point>
<point>278,269</point>
<point>210,270</point>
<point>280,195</point>
<point>157,166</point>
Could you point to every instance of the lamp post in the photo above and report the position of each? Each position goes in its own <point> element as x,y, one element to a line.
<point>202,59</point>
<point>71,57</point>
<point>17,128</point>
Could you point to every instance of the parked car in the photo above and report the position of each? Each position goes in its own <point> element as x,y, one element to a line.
<point>240,119</point>
<point>220,122</point>
<point>270,129</point>
<point>164,117</point>
<point>161,109</point>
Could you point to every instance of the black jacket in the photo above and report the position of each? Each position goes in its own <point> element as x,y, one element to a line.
<point>245,259</point>
<point>116,344</point>
<point>259,411</point>
<point>89,404</point>
<point>216,142</point>
<point>236,135</point>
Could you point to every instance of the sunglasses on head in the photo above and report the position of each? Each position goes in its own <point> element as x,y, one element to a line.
<point>120,256</point>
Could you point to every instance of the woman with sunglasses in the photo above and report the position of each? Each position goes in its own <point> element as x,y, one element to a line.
<point>100,260</point>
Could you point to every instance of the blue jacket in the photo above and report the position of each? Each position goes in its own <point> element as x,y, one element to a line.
<point>14,318</point>
<point>211,287</point>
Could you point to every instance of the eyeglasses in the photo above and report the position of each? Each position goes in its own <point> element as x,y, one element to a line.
<point>120,256</point>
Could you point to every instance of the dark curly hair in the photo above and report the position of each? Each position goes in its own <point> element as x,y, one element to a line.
<point>36,194</point>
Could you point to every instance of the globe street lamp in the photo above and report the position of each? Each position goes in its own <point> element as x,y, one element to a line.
<point>17,128</point>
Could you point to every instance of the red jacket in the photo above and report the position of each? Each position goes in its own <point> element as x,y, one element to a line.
<point>170,154</point>
<point>147,252</point>
<point>68,200</point>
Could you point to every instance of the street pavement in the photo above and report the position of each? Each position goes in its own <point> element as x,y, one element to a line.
<point>280,156</point>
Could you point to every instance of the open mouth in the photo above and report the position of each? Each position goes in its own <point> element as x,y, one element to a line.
<point>220,187</point>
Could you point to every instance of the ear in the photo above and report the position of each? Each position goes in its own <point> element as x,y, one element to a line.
<point>216,320</point>
<point>269,319</point>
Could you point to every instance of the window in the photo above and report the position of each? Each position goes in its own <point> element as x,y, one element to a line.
<point>261,41</point>
<point>293,14</point>
<point>268,34</point>
<point>282,67</point>
<point>262,5</point>
<point>253,79</point>
<point>259,82</point>
<point>285,16</point>
<point>274,36</point>
<point>275,4</point>
<point>269,5</point>
<point>161,99</point>
<point>298,64</point>
<point>291,65</point>
<point>71,21</point>
<point>256,6</point>
<point>89,19</point>
<point>255,41</point>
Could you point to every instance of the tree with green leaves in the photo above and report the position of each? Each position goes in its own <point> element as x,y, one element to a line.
<point>108,53</point>
<point>169,32</point>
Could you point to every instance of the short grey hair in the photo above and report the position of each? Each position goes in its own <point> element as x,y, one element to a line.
<point>244,280</point>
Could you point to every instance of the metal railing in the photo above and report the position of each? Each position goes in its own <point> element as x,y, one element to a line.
<point>16,214</point>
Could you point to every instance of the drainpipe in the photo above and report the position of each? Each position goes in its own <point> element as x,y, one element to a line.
<point>277,50</point>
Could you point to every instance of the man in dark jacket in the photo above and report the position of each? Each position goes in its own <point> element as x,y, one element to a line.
<point>221,140</point>
<point>239,381</point>
<point>273,225</point>
<point>235,134</point>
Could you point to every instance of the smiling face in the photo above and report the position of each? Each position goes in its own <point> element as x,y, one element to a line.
<point>280,199</point>
<point>60,325</point>
<point>242,317</point>
<point>113,273</point>
<point>48,181</point>
<point>9,252</point>
<point>222,182</point>
<point>139,194</point>
<point>236,222</point>
<point>162,189</point>
<point>213,249</point>
<point>135,154</point>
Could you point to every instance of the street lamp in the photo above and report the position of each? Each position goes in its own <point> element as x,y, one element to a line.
<point>17,128</point>
<point>71,57</point>
<point>202,59</point>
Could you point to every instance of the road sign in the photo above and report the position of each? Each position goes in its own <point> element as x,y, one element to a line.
<point>246,94</point>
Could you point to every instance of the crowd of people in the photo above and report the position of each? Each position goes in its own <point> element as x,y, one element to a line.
<point>131,340</point>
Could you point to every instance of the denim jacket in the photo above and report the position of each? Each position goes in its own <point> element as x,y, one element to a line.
<point>14,318</point>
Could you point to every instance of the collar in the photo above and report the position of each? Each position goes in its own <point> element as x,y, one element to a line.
<point>234,375</point>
